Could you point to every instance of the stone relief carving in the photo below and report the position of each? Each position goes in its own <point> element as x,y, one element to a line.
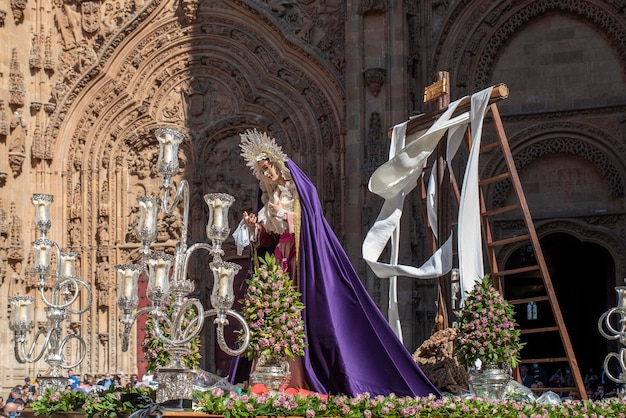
<point>375,78</point>
<point>17,144</point>
<point>603,18</point>
<point>75,231</point>
<point>190,10</point>
<point>17,91</point>
<point>565,145</point>
<point>35,53</point>
<point>103,283</point>
<point>4,120</point>
<point>16,244</point>
<point>314,22</point>
<point>17,7</point>
<point>48,59</point>
<point>373,6</point>
<point>90,16</point>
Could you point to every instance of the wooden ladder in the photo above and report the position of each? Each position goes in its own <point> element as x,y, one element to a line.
<point>552,341</point>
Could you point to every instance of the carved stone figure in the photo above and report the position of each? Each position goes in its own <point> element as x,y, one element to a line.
<point>17,146</point>
<point>190,10</point>
<point>90,12</point>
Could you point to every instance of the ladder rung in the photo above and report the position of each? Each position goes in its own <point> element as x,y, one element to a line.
<point>539,330</point>
<point>544,360</point>
<point>511,240</point>
<point>545,389</point>
<point>494,179</point>
<point>490,146</point>
<point>526,300</point>
<point>516,271</point>
<point>503,209</point>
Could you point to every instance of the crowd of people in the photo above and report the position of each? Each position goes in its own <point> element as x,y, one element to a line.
<point>21,395</point>
<point>595,386</point>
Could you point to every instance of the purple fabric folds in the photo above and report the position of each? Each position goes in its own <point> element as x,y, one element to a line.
<point>352,349</point>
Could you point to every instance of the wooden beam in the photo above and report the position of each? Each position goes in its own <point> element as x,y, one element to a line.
<point>436,90</point>
<point>422,122</point>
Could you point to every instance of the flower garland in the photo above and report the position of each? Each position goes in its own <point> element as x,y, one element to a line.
<point>232,405</point>
<point>273,311</point>
<point>486,328</point>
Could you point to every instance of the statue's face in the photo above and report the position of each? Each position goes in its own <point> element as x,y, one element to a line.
<point>269,171</point>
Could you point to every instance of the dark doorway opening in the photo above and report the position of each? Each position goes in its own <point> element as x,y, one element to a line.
<point>583,276</point>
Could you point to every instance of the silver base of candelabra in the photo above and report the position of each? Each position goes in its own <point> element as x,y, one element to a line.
<point>56,383</point>
<point>174,384</point>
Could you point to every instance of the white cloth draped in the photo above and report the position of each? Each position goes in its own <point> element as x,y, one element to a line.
<point>396,178</point>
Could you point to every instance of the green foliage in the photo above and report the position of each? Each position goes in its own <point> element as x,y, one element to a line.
<point>153,347</point>
<point>58,401</point>
<point>100,403</point>
<point>273,310</point>
<point>108,403</point>
<point>486,328</point>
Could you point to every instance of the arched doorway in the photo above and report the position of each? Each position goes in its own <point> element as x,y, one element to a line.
<point>583,276</point>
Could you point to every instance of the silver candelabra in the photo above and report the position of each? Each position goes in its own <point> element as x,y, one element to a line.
<point>616,315</point>
<point>64,292</point>
<point>167,276</point>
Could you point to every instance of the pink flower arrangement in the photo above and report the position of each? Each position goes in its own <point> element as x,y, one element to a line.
<point>486,328</point>
<point>273,310</point>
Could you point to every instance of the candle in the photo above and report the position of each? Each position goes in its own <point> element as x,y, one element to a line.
<point>42,249</point>
<point>24,313</point>
<point>129,283</point>
<point>160,275</point>
<point>218,217</point>
<point>169,140</point>
<point>42,208</point>
<point>67,264</point>
<point>148,213</point>
<point>224,282</point>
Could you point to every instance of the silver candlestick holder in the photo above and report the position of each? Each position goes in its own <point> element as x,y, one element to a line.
<point>606,326</point>
<point>167,276</point>
<point>65,290</point>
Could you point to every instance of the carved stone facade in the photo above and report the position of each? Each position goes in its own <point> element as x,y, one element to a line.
<point>85,83</point>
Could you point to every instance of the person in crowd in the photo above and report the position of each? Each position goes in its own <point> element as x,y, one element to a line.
<point>87,384</point>
<point>72,379</point>
<point>539,374</point>
<point>352,349</point>
<point>11,409</point>
<point>557,380</point>
<point>105,381</point>
<point>16,393</point>
<point>117,381</point>
<point>591,380</point>
<point>526,379</point>
<point>599,393</point>
<point>134,379</point>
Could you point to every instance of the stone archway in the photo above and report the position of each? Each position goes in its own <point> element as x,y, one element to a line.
<point>476,33</point>
<point>211,73</point>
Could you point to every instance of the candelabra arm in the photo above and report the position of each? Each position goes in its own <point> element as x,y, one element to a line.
<point>128,322</point>
<point>55,304</point>
<point>190,251</point>
<point>605,321</point>
<point>20,349</point>
<point>183,190</point>
<point>79,283</point>
<point>83,349</point>
<point>180,336</point>
<point>221,321</point>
